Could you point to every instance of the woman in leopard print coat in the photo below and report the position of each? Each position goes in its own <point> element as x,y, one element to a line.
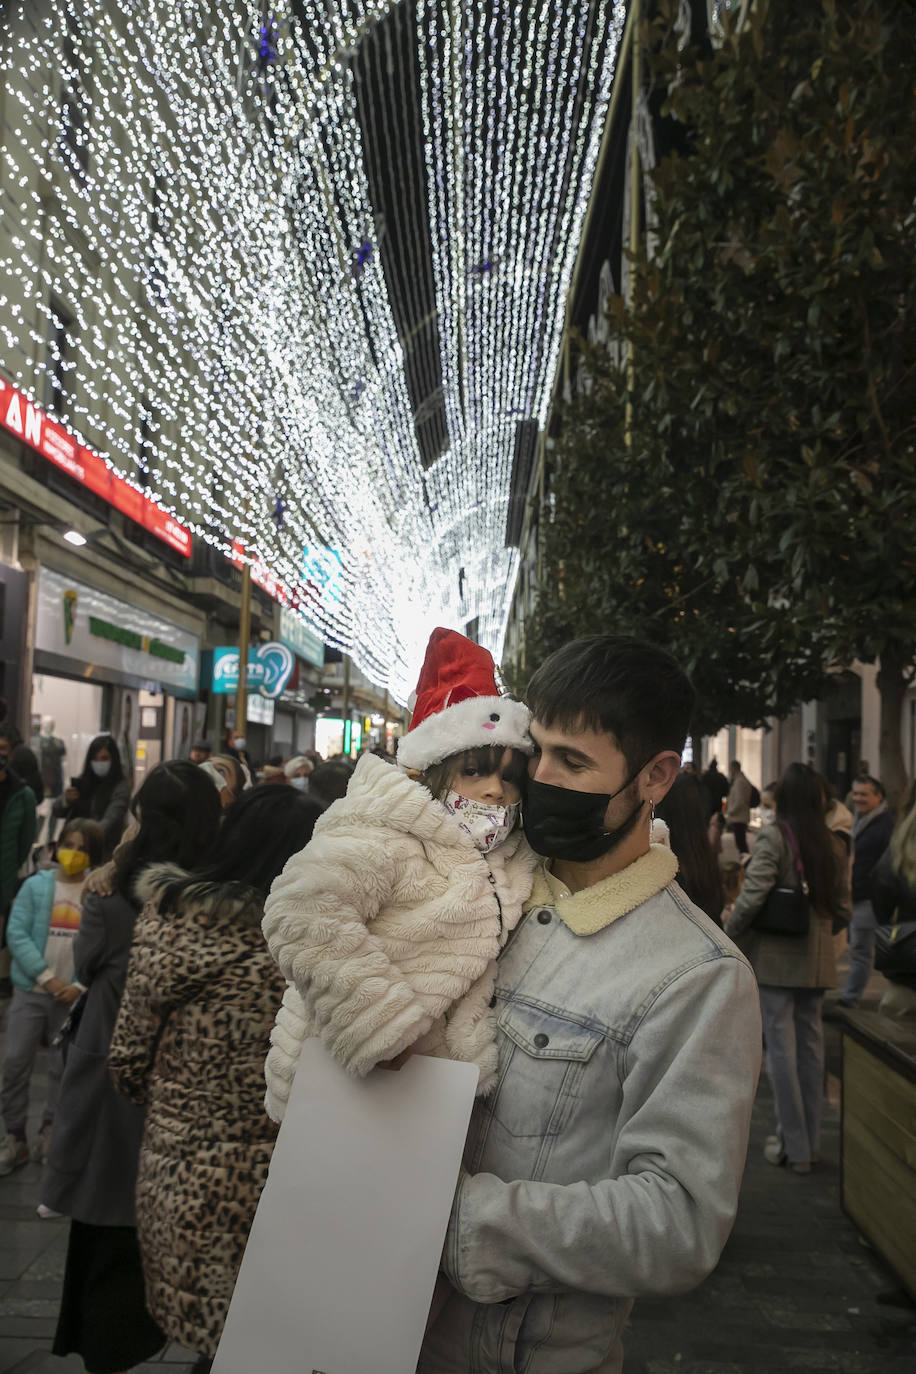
<point>201,996</point>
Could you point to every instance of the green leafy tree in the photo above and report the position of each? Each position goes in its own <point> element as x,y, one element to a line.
<point>773,386</point>
<point>624,554</point>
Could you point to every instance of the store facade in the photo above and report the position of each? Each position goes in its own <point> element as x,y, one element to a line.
<point>104,664</point>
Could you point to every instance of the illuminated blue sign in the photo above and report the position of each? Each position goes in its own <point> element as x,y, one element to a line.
<point>270,667</point>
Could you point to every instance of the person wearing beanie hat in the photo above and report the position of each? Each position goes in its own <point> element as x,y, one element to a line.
<point>388,924</point>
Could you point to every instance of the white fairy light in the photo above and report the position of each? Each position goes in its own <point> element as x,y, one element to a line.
<point>204,256</point>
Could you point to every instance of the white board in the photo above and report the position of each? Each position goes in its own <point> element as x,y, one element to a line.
<point>343,1254</point>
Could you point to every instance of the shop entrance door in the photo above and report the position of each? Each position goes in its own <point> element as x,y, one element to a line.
<point>149,740</point>
<point>68,711</point>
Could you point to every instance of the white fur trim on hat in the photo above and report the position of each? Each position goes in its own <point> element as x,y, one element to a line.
<point>466,725</point>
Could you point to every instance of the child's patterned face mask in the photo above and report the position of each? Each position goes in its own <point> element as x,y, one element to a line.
<point>487,825</point>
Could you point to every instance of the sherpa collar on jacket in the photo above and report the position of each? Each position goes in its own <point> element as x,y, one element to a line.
<point>592,908</point>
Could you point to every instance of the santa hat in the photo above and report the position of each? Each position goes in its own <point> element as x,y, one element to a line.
<point>458,705</point>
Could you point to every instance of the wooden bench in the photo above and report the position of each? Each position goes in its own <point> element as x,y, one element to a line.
<point>878,1135</point>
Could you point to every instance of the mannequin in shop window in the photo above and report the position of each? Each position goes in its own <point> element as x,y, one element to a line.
<point>51,752</point>
<point>100,793</point>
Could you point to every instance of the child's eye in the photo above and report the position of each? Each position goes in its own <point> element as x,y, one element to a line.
<point>469,772</point>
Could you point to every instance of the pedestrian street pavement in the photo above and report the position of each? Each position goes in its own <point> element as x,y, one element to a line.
<point>796,1289</point>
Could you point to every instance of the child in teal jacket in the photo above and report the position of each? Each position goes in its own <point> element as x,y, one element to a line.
<point>42,925</point>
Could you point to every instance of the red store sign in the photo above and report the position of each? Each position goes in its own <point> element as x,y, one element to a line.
<point>24,419</point>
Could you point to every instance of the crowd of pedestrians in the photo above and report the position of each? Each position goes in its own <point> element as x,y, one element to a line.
<point>538,888</point>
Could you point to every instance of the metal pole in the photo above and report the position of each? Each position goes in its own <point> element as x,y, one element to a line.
<point>345,711</point>
<point>241,694</point>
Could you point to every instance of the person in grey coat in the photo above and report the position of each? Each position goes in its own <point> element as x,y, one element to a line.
<point>793,970</point>
<point>91,1172</point>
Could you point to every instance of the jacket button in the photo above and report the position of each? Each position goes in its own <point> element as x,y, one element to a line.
<point>493,1000</point>
<point>544,918</point>
<point>541,1041</point>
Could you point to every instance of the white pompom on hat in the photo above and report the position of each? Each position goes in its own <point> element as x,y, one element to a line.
<point>459,706</point>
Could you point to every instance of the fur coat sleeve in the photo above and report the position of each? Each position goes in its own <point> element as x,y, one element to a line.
<point>387,927</point>
<point>315,919</point>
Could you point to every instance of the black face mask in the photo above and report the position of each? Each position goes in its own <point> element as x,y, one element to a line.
<point>562,824</point>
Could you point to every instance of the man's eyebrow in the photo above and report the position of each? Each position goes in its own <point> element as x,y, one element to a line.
<point>567,749</point>
<point>578,754</point>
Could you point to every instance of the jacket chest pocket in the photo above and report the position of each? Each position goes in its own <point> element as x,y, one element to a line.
<point>543,1057</point>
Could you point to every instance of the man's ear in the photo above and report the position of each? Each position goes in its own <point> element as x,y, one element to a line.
<point>659,775</point>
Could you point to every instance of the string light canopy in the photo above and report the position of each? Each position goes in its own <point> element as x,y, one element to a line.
<point>299,272</point>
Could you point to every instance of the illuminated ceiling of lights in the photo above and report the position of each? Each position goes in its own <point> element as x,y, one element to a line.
<point>328,247</point>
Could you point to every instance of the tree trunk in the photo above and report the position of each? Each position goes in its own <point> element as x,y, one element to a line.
<point>893,680</point>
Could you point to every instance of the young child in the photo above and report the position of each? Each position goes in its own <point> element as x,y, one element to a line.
<point>388,924</point>
<point>43,922</point>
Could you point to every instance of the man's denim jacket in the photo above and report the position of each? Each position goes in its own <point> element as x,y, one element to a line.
<point>607,1162</point>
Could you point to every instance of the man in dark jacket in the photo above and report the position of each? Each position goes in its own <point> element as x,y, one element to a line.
<point>716,785</point>
<point>17,831</point>
<point>871,834</point>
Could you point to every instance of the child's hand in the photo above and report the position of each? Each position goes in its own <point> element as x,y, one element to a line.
<point>398,1062</point>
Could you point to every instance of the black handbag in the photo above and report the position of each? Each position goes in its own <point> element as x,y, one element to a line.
<point>895,948</point>
<point>787,910</point>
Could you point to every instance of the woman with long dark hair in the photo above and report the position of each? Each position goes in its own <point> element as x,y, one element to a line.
<point>684,811</point>
<point>201,997</point>
<point>794,970</point>
<point>101,792</point>
<point>91,1172</point>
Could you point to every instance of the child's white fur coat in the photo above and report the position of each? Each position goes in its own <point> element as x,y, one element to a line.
<point>387,927</point>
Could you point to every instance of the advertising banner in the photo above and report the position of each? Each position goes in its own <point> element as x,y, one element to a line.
<point>80,622</point>
<point>29,423</point>
<point>270,667</point>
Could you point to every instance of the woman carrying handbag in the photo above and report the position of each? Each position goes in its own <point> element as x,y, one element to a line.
<point>796,881</point>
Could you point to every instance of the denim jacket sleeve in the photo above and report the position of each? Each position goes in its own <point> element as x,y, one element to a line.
<point>658,1222</point>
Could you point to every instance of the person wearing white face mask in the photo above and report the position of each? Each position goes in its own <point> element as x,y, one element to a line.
<point>767,811</point>
<point>297,772</point>
<point>100,793</point>
<point>389,922</point>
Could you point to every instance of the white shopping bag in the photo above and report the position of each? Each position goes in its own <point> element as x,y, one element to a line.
<point>342,1258</point>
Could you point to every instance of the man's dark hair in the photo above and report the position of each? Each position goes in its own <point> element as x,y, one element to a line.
<point>875,783</point>
<point>626,688</point>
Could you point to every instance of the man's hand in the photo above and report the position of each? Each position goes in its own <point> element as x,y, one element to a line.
<point>69,994</point>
